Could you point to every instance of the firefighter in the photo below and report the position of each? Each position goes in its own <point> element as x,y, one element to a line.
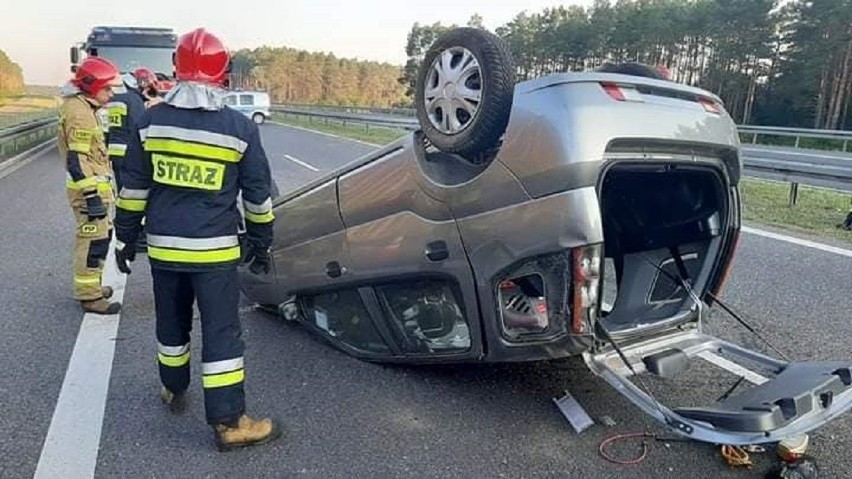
<point>89,179</point>
<point>125,112</point>
<point>196,157</point>
<point>148,86</point>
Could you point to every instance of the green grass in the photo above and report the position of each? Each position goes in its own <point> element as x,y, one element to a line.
<point>20,109</point>
<point>817,212</point>
<point>42,90</point>
<point>369,134</point>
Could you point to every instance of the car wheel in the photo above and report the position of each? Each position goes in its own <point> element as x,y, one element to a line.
<point>258,118</point>
<point>464,92</point>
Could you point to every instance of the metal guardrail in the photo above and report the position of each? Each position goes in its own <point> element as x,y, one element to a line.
<point>797,133</point>
<point>24,127</point>
<point>17,138</point>
<point>358,118</point>
<point>796,165</point>
<point>404,112</point>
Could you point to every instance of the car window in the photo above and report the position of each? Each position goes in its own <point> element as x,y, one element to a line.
<point>342,316</point>
<point>246,100</point>
<point>230,100</point>
<point>428,315</point>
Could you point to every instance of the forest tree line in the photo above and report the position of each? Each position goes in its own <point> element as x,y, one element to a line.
<point>772,63</point>
<point>11,77</point>
<point>297,76</point>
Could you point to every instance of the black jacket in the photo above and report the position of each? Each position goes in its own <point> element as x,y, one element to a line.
<point>192,164</point>
<point>125,111</point>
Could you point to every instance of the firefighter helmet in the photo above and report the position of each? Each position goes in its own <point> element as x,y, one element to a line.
<point>200,56</point>
<point>95,74</point>
<point>146,78</point>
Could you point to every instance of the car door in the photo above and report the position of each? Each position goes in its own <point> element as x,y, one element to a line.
<point>407,259</point>
<point>246,104</point>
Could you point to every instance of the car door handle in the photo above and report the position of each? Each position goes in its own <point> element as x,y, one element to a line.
<point>437,251</point>
<point>334,270</point>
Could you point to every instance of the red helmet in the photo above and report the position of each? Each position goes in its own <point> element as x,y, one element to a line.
<point>95,74</point>
<point>664,71</point>
<point>201,57</point>
<point>146,78</point>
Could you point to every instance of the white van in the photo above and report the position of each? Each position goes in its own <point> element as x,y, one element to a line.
<point>253,104</point>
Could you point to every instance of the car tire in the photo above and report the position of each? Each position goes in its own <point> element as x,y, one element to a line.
<point>480,95</point>
<point>258,118</point>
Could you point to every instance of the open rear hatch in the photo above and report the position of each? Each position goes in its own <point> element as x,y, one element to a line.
<point>786,399</point>
<point>669,230</point>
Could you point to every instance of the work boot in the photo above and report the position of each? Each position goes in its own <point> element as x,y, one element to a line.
<point>245,432</point>
<point>100,306</point>
<point>107,292</point>
<point>176,402</point>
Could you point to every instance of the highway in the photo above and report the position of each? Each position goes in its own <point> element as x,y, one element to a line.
<point>347,418</point>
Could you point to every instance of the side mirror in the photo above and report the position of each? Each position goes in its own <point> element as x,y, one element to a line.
<point>75,55</point>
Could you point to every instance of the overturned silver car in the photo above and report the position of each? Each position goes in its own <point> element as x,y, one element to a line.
<point>591,214</point>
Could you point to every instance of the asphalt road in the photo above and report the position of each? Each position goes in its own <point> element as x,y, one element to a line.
<point>347,418</point>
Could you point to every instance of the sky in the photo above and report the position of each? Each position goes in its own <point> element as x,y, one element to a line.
<point>37,34</point>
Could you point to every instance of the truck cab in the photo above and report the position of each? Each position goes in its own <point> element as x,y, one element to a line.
<point>130,48</point>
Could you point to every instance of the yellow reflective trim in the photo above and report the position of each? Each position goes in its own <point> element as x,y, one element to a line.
<point>116,150</point>
<point>115,114</point>
<point>198,174</point>
<point>173,361</point>
<point>117,108</point>
<point>267,217</point>
<point>89,182</point>
<point>82,135</point>
<point>103,186</point>
<point>181,147</point>
<point>184,256</point>
<point>224,380</point>
<point>131,205</point>
<point>80,147</point>
<point>95,279</point>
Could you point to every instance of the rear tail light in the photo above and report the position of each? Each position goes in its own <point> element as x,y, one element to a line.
<point>585,284</point>
<point>622,92</point>
<point>709,105</point>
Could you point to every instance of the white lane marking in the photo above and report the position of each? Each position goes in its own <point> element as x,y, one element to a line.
<point>324,134</point>
<point>300,162</point>
<point>797,241</point>
<point>17,162</point>
<point>71,446</point>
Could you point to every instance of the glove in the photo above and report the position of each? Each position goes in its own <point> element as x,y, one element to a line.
<point>259,259</point>
<point>124,255</point>
<point>95,208</point>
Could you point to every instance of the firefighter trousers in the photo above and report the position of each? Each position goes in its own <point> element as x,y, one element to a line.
<point>217,295</point>
<point>90,252</point>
